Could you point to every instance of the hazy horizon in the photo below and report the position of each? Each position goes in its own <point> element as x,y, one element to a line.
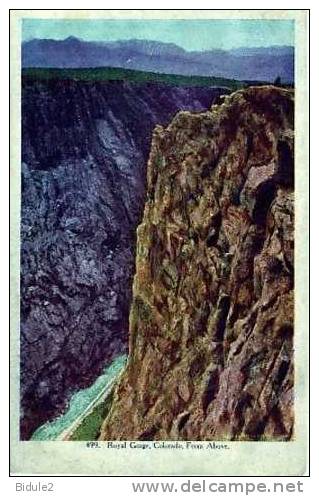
<point>191,35</point>
<point>155,41</point>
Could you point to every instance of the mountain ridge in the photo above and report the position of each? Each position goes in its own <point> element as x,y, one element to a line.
<point>261,63</point>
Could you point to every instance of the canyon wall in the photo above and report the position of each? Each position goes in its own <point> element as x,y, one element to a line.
<point>84,152</point>
<point>211,323</point>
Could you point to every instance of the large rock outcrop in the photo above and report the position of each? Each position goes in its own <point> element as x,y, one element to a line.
<point>84,151</point>
<point>211,324</point>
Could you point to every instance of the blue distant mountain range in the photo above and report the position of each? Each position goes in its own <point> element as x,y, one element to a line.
<point>261,64</point>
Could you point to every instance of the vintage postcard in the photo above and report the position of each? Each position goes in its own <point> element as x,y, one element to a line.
<point>159,248</point>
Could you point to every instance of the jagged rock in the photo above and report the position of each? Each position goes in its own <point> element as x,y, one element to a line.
<point>84,151</point>
<point>211,323</point>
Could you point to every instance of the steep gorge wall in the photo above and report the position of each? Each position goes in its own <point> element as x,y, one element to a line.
<point>211,324</point>
<point>84,151</point>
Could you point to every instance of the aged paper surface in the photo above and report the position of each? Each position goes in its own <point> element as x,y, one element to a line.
<point>268,455</point>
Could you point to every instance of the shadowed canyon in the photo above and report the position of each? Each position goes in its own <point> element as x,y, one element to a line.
<point>84,152</point>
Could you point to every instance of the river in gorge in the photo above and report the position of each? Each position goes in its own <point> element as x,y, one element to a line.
<point>84,404</point>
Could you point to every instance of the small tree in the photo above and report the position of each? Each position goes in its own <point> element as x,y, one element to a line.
<point>277,81</point>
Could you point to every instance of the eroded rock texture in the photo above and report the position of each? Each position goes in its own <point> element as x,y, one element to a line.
<point>84,151</point>
<point>211,324</point>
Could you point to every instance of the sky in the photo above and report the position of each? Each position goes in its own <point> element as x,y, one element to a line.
<point>199,34</point>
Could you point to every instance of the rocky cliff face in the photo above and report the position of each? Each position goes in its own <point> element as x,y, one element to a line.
<point>84,150</point>
<point>211,324</point>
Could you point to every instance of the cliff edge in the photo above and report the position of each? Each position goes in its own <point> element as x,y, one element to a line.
<point>211,323</point>
<point>85,145</point>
